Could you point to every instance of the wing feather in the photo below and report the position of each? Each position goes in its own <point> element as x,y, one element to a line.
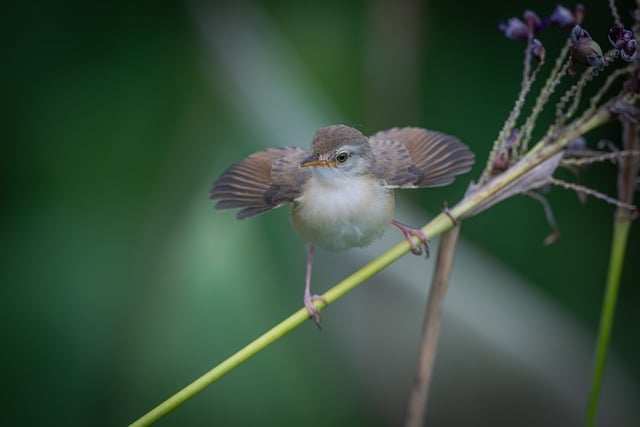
<point>416,157</point>
<point>263,181</point>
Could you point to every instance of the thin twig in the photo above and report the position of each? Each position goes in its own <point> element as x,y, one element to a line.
<point>574,94</point>
<point>615,13</point>
<point>607,84</point>
<point>628,207</point>
<point>509,124</point>
<point>555,77</point>
<point>416,408</point>
<point>548,213</point>
<point>600,157</point>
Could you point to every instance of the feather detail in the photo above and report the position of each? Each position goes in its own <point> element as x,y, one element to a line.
<point>263,181</point>
<point>416,157</point>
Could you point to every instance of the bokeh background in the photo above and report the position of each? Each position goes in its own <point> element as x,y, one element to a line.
<point>121,284</point>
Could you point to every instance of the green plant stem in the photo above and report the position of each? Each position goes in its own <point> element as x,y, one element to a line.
<point>620,234</point>
<point>435,227</point>
<point>222,369</point>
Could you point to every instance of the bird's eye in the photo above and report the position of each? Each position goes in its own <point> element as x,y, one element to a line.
<point>342,156</point>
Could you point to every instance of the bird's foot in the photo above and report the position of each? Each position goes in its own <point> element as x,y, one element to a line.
<point>313,312</point>
<point>409,233</point>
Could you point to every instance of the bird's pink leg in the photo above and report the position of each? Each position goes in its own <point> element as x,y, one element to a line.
<point>308,298</point>
<point>409,233</point>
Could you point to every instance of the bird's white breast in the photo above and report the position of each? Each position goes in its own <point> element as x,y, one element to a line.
<point>343,212</point>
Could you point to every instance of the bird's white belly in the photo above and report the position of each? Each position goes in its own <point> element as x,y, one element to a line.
<point>343,215</point>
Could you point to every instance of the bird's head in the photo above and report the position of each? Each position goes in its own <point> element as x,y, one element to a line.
<point>339,151</point>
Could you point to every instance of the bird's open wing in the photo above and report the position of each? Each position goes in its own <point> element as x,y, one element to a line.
<point>414,157</point>
<point>263,181</point>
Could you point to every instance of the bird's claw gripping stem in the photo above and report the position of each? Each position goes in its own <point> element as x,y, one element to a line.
<point>409,233</point>
<point>313,312</point>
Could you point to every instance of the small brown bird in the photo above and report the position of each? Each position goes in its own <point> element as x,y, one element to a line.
<point>342,190</point>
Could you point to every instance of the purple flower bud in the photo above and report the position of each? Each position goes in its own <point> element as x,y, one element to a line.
<point>537,50</point>
<point>618,36</point>
<point>532,20</point>
<point>629,51</point>
<point>514,29</point>
<point>622,39</point>
<point>578,34</point>
<point>584,50</point>
<point>562,17</point>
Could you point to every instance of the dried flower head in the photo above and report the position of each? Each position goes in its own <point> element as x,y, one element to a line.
<point>531,24</point>
<point>630,51</point>
<point>622,39</point>
<point>584,50</point>
<point>562,17</point>
<point>533,21</point>
<point>618,36</point>
<point>514,29</point>
<point>537,50</point>
<point>510,150</point>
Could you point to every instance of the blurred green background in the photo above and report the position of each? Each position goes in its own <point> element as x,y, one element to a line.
<point>121,284</point>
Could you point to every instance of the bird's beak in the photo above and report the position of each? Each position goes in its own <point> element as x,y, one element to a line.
<point>313,160</point>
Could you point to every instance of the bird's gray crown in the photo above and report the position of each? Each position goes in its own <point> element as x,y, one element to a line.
<point>331,138</point>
